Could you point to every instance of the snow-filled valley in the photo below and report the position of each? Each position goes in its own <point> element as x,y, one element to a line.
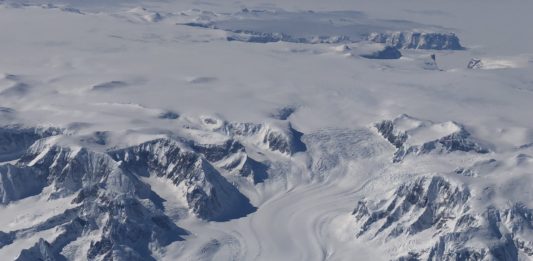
<point>266,130</point>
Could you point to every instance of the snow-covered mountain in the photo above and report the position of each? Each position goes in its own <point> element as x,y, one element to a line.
<point>280,130</point>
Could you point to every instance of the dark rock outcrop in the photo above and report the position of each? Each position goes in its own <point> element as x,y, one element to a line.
<point>387,53</point>
<point>418,40</point>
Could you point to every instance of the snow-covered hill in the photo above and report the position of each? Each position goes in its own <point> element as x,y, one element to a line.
<point>280,130</point>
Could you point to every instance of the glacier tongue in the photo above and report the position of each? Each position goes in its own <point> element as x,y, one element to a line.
<point>113,202</point>
<point>111,198</point>
<point>266,130</point>
<point>213,164</point>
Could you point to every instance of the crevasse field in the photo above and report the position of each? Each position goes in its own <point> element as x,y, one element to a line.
<point>266,130</point>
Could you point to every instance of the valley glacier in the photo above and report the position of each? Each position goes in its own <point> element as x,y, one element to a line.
<point>266,130</point>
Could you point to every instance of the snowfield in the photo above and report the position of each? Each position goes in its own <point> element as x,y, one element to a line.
<point>266,130</point>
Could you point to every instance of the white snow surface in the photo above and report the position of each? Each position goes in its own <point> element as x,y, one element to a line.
<point>115,74</point>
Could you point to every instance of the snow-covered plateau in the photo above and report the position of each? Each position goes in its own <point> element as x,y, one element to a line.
<point>266,130</point>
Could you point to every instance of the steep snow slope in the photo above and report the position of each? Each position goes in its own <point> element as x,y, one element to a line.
<point>280,130</point>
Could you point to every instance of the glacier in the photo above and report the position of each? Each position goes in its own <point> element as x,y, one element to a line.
<point>277,130</point>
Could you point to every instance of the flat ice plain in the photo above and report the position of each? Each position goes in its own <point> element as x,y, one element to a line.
<point>266,130</point>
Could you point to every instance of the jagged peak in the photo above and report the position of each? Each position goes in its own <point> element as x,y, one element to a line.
<point>432,200</point>
<point>457,227</point>
<point>208,193</point>
<point>274,135</point>
<point>414,136</point>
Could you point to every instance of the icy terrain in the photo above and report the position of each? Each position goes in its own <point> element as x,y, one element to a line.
<point>279,130</point>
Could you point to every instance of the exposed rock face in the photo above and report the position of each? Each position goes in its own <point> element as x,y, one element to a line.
<point>475,64</point>
<point>231,156</point>
<point>431,200</point>
<point>413,136</point>
<point>14,140</point>
<point>227,145</point>
<point>117,214</point>
<point>478,168</point>
<point>456,230</point>
<point>69,169</point>
<point>112,202</point>
<point>388,52</point>
<point>129,228</point>
<point>284,140</point>
<point>386,129</point>
<point>19,182</point>
<point>208,194</point>
<point>418,40</point>
<point>132,230</point>
<point>168,115</point>
<point>263,26</point>
<point>40,251</point>
<point>398,40</point>
<point>263,37</point>
<point>429,63</point>
<point>217,152</point>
